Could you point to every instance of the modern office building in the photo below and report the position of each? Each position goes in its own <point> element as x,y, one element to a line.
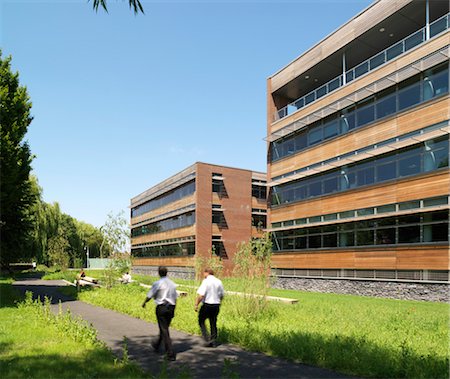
<point>202,209</point>
<point>358,150</point>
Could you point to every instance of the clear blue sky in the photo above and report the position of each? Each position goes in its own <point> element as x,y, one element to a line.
<point>121,102</point>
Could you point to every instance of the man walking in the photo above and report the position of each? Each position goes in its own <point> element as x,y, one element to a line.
<point>165,295</point>
<point>210,293</point>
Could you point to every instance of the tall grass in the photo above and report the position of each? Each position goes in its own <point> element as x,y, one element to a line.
<point>356,335</point>
<point>35,343</point>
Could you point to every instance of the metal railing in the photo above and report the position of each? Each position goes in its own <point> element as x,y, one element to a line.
<point>404,45</point>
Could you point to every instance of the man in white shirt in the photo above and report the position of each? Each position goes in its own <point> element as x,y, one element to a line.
<point>164,293</point>
<point>126,278</point>
<point>210,293</point>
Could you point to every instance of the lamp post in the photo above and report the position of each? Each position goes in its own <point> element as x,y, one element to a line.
<point>87,256</point>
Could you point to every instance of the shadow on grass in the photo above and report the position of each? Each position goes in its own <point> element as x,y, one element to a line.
<point>225,361</point>
<point>96,363</point>
<point>44,289</point>
<point>355,356</point>
<point>9,296</point>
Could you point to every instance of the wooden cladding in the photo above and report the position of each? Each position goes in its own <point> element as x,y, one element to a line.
<point>175,233</point>
<point>398,258</point>
<point>418,118</point>
<point>164,261</point>
<point>184,202</point>
<point>371,77</point>
<point>429,185</point>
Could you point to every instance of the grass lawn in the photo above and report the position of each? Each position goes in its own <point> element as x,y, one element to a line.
<point>33,345</point>
<point>362,336</point>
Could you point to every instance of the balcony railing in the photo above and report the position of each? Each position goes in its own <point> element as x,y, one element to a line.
<point>404,45</point>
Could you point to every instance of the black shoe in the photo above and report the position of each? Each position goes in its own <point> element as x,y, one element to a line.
<point>155,347</point>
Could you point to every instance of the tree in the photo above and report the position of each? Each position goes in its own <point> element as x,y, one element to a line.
<point>134,4</point>
<point>116,234</point>
<point>58,251</point>
<point>17,196</point>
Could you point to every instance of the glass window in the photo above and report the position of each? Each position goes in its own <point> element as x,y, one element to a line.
<point>321,91</point>
<point>309,98</point>
<point>348,121</point>
<point>314,136</point>
<point>409,205</point>
<point>330,185</point>
<point>330,217</point>
<point>315,219</point>
<point>335,83</point>
<point>435,201</point>
<point>409,165</point>
<point>409,96</point>
<point>315,189</point>
<point>347,214</point>
<point>438,27</point>
<point>386,236</point>
<point>435,232</point>
<point>414,40</point>
<point>300,141</point>
<point>386,106</point>
<point>386,170</point>
<point>365,115</point>
<point>300,193</point>
<point>314,241</point>
<point>300,242</point>
<point>409,219</point>
<point>361,69</point>
<point>330,240</point>
<point>331,129</point>
<point>346,239</point>
<point>386,208</point>
<point>436,216</point>
<point>365,237</point>
<point>365,211</point>
<point>365,176</point>
<point>389,221</point>
<point>409,234</point>
<point>377,60</point>
<point>394,51</point>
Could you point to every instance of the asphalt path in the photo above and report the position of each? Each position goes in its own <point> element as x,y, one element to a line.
<point>192,357</point>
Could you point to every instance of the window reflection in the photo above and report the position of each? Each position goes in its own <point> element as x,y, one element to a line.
<point>422,87</point>
<point>428,156</point>
<point>413,229</point>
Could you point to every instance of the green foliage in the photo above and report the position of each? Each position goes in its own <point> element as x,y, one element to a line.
<point>58,251</point>
<point>39,344</point>
<point>59,239</point>
<point>361,336</point>
<point>117,266</point>
<point>70,276</point>
<point>17,196</point>
<point>211,261</point>
<point>116,234</point>
<point>135,5</point>
<point>252,270</point>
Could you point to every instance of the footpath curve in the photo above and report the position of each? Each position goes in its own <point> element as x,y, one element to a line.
<point>192,357</point>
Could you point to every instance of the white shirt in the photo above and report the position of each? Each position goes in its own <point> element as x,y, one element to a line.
<point>212,290</point>
<point>126,278</point>
<point>163,291</point>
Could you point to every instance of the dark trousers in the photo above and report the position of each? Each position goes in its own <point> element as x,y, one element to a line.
<point>209,311</point>
<point>164,315</point>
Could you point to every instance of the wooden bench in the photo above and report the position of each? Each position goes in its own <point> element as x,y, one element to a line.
<point>285,300</point>
<point>87,281</point>
<point>180,293</point>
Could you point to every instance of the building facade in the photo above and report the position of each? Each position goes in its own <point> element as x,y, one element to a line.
<point>358,150</point>
<point>201,210</point>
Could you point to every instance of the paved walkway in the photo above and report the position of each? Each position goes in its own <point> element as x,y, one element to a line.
<point>192,357</point>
